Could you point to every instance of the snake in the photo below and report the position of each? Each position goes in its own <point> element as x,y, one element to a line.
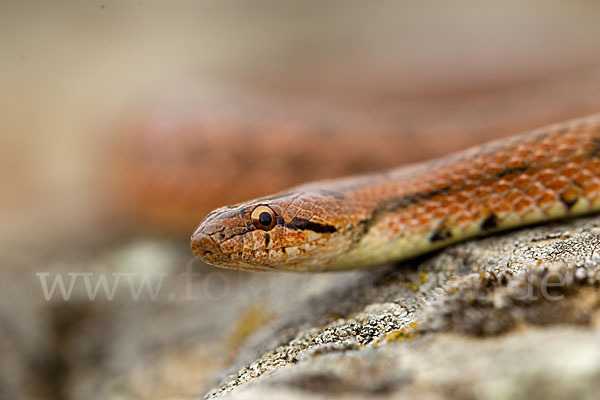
<point>397,214</point>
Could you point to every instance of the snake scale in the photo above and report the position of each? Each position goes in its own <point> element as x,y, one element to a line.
<point>367,220</point>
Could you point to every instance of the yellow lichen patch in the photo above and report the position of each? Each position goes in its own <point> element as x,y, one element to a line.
<point>411,285</point>
<point>255,317</point>
<point>423,277</point>
<point>405,333</point>
<point>332,315</point>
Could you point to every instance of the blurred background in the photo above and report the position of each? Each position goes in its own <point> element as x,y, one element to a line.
<point>124,122</point>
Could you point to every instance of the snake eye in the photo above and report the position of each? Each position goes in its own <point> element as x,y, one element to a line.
<point>263,218</point>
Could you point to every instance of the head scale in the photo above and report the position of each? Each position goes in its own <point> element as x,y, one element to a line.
<point>290,232</point>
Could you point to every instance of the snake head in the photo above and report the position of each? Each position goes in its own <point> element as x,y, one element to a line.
<point>287,232</point>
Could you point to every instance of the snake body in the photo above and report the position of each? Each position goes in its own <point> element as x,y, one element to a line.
<point>366,220</point>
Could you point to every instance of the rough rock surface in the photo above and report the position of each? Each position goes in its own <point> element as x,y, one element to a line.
<point>508,316</point>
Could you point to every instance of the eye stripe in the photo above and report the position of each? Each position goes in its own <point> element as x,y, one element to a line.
<point>304,224</point>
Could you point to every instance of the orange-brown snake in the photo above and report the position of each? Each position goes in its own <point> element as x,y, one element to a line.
<point>367,220</point>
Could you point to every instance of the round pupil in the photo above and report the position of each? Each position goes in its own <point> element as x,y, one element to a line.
<point>265,218</point>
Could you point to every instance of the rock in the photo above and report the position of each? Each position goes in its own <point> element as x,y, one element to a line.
<point>513,315</point>
<point>508,316</point>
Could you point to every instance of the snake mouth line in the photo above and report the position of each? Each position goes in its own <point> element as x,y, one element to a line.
<point>255,255</point>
